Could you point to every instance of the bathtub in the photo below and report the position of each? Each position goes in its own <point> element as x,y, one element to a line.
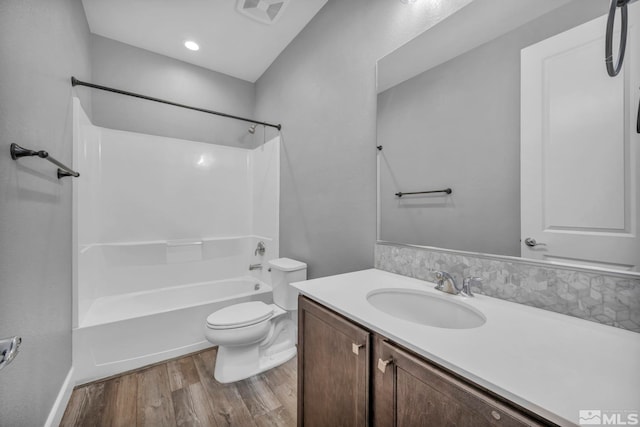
<point>128,331</point>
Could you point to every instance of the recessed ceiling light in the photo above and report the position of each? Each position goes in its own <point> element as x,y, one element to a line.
<point>191,45</point>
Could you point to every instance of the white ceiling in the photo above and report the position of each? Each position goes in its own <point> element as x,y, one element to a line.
<point>230,42</point>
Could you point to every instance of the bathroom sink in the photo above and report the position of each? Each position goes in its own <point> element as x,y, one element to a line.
<point>426,309</point>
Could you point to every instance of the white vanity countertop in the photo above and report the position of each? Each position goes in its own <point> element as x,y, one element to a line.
<point>547,362</point>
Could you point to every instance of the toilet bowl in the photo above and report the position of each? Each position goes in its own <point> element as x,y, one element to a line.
<point>253,337</point>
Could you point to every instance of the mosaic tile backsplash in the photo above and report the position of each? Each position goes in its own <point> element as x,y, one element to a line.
<point>612,299</point>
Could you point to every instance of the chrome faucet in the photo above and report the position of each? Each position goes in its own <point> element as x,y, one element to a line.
<point>255,267</point>
<point>446,283</point>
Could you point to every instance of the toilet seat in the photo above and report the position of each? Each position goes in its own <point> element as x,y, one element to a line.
<point>240,315</point>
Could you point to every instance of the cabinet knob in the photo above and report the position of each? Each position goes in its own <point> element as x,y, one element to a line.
<point>355,348</point>
<point>382,364</point>
<point>495,414</point>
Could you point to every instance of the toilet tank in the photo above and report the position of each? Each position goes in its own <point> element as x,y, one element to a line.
<point>283,272</point>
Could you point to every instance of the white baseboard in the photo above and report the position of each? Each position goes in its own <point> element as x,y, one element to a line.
<point>57,411</point>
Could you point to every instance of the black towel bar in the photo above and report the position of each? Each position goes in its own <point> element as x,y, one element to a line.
<point>446,190</point>
<point>18,151</point>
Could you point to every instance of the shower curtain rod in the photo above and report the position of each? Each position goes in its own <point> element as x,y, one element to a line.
<point>76,82</point>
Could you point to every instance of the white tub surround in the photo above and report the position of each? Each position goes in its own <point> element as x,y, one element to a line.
<point>164,231</point>
<point>116,269</point>
<point>549,363</point>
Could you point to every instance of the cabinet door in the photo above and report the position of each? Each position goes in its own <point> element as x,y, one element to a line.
<point>333,369</point>
<point>412,392</point>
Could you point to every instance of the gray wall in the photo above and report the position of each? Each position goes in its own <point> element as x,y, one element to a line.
<point>42,43</point>
<point>323,90</point>
<point>458,125</point>
<point>137,70</point>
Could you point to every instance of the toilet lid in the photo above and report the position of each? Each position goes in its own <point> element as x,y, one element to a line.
<point>238,315</point>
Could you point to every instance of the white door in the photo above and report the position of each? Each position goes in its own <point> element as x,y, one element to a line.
<point>580,151</point>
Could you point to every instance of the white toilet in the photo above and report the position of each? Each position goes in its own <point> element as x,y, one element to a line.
<point>253,337</point>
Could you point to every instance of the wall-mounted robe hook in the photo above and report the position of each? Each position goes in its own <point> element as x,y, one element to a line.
<point>18,151</point>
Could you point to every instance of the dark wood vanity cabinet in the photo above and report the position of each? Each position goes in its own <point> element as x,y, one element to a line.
<point>333,362</point>
<point>348,376</point>
<point>410,391</point>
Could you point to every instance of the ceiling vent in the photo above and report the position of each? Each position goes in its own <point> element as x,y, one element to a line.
<point>265,11</point>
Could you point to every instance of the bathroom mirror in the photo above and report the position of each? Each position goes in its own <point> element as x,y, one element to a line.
<point>457,109</point>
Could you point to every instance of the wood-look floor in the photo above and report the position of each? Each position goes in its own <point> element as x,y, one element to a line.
<point>183,392</point>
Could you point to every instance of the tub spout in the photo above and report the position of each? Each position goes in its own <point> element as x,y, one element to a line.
<point>255,267</point>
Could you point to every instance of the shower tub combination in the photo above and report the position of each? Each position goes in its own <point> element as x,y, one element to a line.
<point>160,247</point>
<point>126,331</point>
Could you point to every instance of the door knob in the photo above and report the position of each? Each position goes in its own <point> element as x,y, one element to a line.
<point>531,242</point>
